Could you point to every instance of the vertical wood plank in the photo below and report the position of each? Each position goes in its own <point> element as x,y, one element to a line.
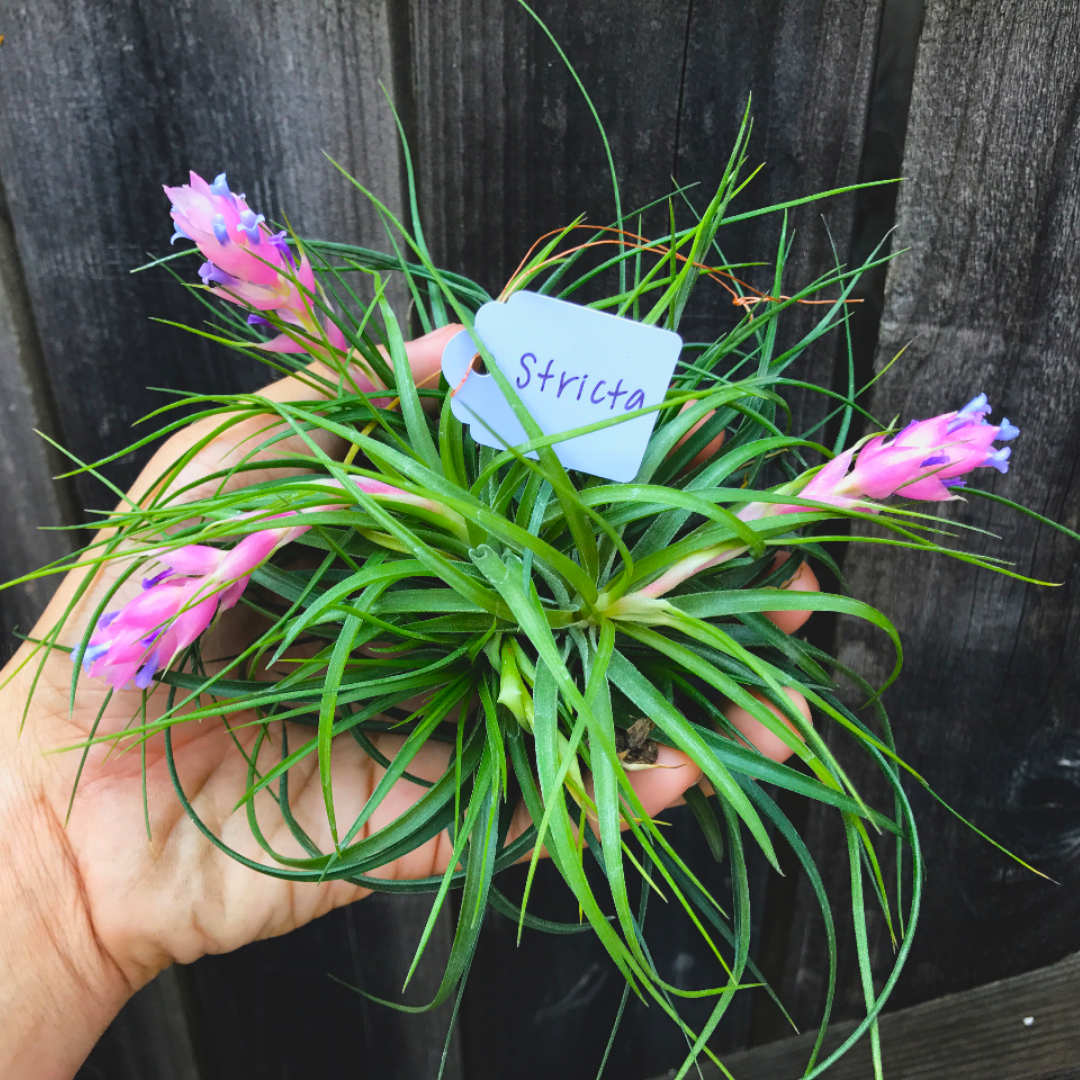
<point>806,70</point>
<point>988,298</point>
<point>275,1009</point>
<point>546,1006</point>
<point>31,498</point>
<point>137,94</point>
<point>152,1037</point>
<point>33,502</point>
<point>100,105</point>
<point>508,151</point>
<point>874,217</point>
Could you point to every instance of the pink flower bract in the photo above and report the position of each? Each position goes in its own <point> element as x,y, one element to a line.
<point>250,265</point>
<point>925,461</point>
<point>175,607</point>
<point>179,603</point>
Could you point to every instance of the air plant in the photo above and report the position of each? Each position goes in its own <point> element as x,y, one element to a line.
<point>552,628</point>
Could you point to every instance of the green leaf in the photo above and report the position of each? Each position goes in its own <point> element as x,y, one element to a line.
<point>687,738</point>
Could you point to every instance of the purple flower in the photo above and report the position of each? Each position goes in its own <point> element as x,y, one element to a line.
<point>926,461</point>
<point>253,267</point>
<point>177,604</point>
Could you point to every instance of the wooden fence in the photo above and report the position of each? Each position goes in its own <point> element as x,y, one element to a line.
<point>100,103</point>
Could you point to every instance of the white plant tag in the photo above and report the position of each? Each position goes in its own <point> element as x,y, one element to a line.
<point>571,366</point>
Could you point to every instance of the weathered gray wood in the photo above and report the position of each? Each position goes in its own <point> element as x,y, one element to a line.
<point>883,155</point>
<point>546,1006</point>
<point>508,147</point>
<point>32,499</point>
<point>506,150</point>
<point>138,93</point>
<point>1022,1028</point>
<point>99,106</point>
<point>152,1037</point>
<point>274,1009</point>
<point>806,70</point>
<point>986,708</point>
<point>30,496</point>
<point>875,212</point>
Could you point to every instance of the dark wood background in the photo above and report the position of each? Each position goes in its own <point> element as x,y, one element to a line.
<point>974,101</point>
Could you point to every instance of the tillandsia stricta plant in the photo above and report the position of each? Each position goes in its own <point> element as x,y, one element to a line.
<point>553,629</point>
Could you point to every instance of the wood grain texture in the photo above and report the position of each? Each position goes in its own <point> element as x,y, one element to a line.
<point>31,498</point>
<point>34,501</point>
<point>274,1009</point>
<point>986,708</point>
<point>152,1037</point>
<point>137,94</point>
<point>980,1033</point>
<point>509,151</point>
<point>100,105</point>
<point>546,1007</point>
<point>806,70</point>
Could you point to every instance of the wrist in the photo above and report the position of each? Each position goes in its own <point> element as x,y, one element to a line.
<point>60,989</point>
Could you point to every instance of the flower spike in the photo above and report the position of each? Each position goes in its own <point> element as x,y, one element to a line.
<point>177,604</point>
<point>263,276</point>
<point>927,460</point>
<point>924,461</point>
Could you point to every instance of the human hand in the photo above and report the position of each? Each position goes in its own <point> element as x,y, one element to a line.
<point>95,908</point>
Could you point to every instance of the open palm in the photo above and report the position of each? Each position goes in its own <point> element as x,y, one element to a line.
<point>171,895</point>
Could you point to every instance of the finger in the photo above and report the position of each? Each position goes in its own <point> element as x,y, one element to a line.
<point>425,356</point>
<point>803,580</point>
<point>355,776</point>
<point>753,730</point>
<point>233,445</point>
<point>657,788</point>
<point>711,448</point>
<point>757,734</point>
<point>665,783</point>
